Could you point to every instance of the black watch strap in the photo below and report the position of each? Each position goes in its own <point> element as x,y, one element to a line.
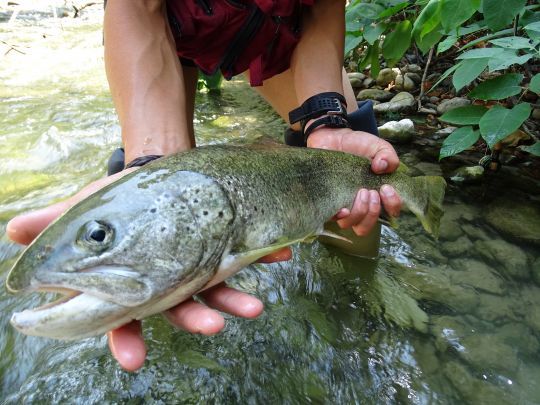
<point>330,121</point>
<point>329,103</point>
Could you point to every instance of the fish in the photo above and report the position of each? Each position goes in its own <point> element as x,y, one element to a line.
<point>186,222</point>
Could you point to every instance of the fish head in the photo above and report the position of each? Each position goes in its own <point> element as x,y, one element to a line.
<point>129,243</point>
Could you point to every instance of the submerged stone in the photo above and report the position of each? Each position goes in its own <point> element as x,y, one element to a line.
<point>487,353</point>
<point>505,256</point>
<point>478,275</point>
<point>474,232</point>
<point>518,220</point>
<point>493,308</point>
<point>456,248</point>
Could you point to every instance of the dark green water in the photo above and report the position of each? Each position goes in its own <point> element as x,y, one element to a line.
<point>449,321</point>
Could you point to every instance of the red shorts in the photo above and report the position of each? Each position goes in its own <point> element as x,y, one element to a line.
<point>236,35</point>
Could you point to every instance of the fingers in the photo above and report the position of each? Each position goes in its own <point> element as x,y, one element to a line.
<point>280,255</point>
<point>233,302</point>
<point>127,346</point>
<point>364,212</point>
<point>390,200</point>
<point>195,317</point>
<point>24,228</point>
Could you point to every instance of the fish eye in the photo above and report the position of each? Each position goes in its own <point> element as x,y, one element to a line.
<point>97,235</point>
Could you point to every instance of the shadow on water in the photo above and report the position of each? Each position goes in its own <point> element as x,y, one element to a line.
<point>449,321</point>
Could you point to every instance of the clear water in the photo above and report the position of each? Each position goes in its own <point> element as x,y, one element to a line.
<point>448,321</point>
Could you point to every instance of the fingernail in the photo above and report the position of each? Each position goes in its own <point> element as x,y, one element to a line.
<point>344,212</point>
<point>382,165</point>
<point>387,190</point>
<point>374,197</point>
<point>364,195</point>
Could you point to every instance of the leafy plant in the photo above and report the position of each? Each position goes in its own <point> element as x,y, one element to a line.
<point>492,42</point>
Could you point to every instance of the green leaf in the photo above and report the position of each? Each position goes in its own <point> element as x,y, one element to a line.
<point>352,41</point>
<point>498,88</point>
<point>398,41</point>
<point>481,53</point>
<point>533,30</point>
<point>430,40</point>
<point>500,13</point>
<point>513,43</point>
<point>534,85</point>
<point>533,149</point>
<point>467,71</point>
<point>468,115</point>
<point>428,19</point>
<point>373,32</point>
<point>487,37</point>
<point>507,59</point>
<point>499,122</point>
<point>447,43</point>
<point>389,12</point>
<point>456,12</point>
<point>458,141</point>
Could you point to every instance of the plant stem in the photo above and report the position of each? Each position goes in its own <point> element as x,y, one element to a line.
<point>424,76</point>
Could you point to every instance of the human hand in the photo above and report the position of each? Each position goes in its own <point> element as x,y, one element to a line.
<point>367,205</point>
<point>126,343</point>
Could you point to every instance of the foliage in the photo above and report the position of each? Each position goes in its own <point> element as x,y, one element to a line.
<point>492,41</point>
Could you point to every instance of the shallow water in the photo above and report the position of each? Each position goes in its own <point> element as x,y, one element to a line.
<point>448,321</point>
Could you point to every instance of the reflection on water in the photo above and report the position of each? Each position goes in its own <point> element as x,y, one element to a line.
<point>448,321</point>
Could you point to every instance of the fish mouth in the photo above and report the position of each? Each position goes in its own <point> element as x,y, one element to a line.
<point>118,284</point>
<point>75,315</point>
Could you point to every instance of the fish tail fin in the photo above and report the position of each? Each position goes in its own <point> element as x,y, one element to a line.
<point>424,198</point>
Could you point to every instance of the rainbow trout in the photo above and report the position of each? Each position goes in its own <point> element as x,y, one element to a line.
<point>181,224</point>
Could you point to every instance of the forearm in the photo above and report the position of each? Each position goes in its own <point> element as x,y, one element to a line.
<point>145,78</point>
<point>317,62</point>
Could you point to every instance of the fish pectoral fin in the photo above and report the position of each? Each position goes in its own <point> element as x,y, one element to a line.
<point>333,235</point>
<point>236,261</point>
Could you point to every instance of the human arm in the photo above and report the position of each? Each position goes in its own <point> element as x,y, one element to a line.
<point>316,67</point>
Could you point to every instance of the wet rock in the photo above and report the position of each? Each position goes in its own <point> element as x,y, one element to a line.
<point>457,247</point>
<point>450,228</point>
<point>412,68</point>
<point>533,318</point>
<point>536,114</point>
<point>397,131</point>
<point>427,111</point>
<point>374,94</point>
<point>514,332</point>
<point>444,132</point>
<point>387,76</point>
<point>474,232</point>
<point>368,82</point>
<point>527,379</point>
<point>415,77</point>
<point>452,103</point>
<point>487,353</point>
<point>517,220</point>
<point>505,256</point>
<point>535,268</point>
<point>476,274</point>
<point>430,169</point>
<point>495,309</point>
<point>434,99</point>
<point>356,79</point>
<point>468,175</point>
<point>404,83</point>
<point>434,284</point>
<point>401,102</point>
<point>448,332</point>
<point>472,390</point>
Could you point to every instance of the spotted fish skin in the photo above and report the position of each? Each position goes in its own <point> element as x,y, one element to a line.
<point>183,223</point>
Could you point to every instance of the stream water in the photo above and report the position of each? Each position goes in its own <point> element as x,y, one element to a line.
<point>449,321</point>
